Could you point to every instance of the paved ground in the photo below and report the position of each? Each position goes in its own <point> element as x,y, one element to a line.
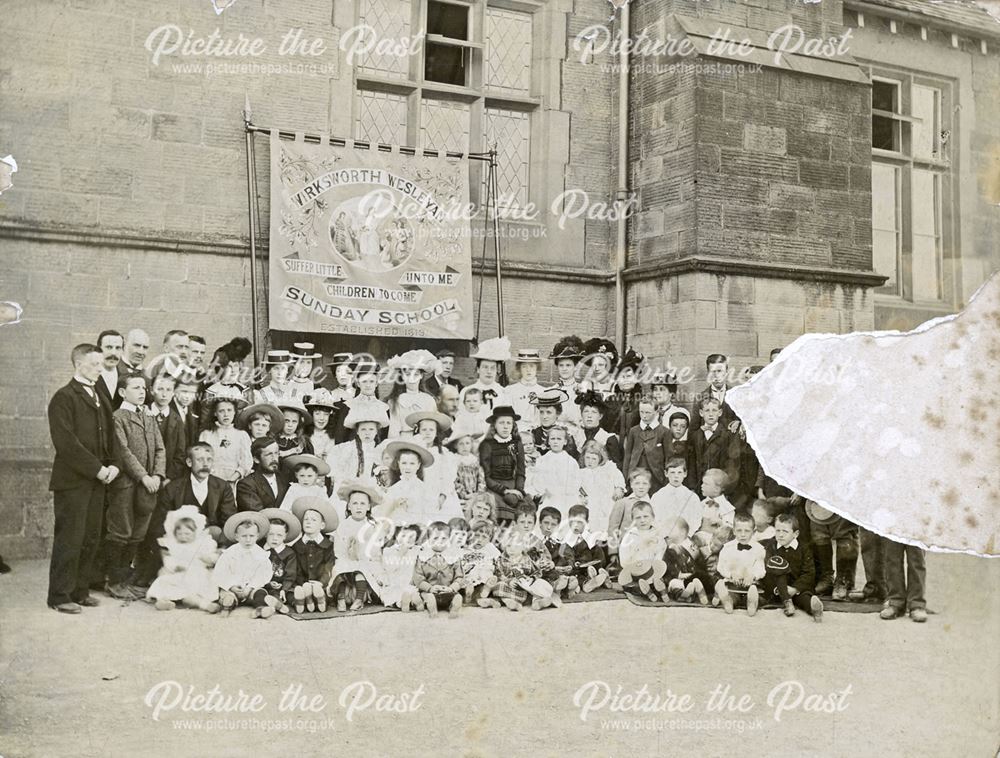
<point>498,683</point>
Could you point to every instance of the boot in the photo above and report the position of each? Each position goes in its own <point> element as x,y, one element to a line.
<point>847,563</point>
<point>116,562</point>
<point>824,555</point>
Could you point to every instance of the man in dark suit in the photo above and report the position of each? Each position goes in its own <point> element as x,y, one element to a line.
<point>81,429</point>
<point>717,366</point>
<point>647,446</point>
<point>266,486</point>
<point>173,429</point>
<point>715,446</point>
<point>213,496</point>
<point>110,342</point>
<point>442,374</point>
<point>136,348</point>
<point>185,397</point>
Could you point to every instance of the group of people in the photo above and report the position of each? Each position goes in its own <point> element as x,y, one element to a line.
<point>310,481</point>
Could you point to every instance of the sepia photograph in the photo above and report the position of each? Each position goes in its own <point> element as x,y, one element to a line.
<point>603,377</point>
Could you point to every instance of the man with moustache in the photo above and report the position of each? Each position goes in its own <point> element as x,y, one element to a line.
<point>81,429</point>
<point>266,486</point>
<point>111,344</point>
<point>213,496</point>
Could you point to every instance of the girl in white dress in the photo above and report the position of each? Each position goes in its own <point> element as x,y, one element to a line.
<point>410,500</point>
<point>357,545</point>
<point>601,484</point>
<point>232,460</point>
<point>429,428</point>
<point>186,576</point>
<point>556,475</point>
<point>406,396</point>
<point>398,560</point>
<point>322,407</point>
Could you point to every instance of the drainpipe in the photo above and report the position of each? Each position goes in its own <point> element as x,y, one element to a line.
<point>622,195</point>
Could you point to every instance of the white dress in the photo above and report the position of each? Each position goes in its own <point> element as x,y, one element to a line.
<point>398,562</point>
<point>270,394</point>
<point>343,460</point>
<point>187,570</point>
<point>599,484</point>
<point>422,503</point>
<point>231,447</point>
<point>441,477</point>
<point>556,477</point>
<point>357,546</point>
<point>518,394</point>
<point>403,406</point>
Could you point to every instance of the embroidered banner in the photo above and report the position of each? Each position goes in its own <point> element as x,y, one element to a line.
<point>365,242</point>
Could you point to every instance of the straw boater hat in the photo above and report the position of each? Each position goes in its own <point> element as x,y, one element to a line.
<point>319,504</point>
<point>444,422</point>
<point>496,349</point>
<point>229,529</point>
<point>291,523</point>
<point>464,426</point>
<point>359,485</point>
<point>339,359</point>
<point>502,410</point>
<point>527,355</point>
<point>395,447</point>
<point>599,346</point>
<point>269,410</point>
<point>819,515</point>
<point>322,400</point>
<point>305,351</point>
<point>568,347</point>
<point>321,466</point>
<point>295,405</point>
<point>548,398</point>
<point>366,410</point>
<point>228,394</point>
<point>277,357</point>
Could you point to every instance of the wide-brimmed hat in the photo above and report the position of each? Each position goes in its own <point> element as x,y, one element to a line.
<point>360,485</point>
<point>277,357</point>
<point>465,426</point>
<point>495,349</point>
<point>319,504</point>
<point>229,528</point>
<point>527,355</point>
<point>184,512</point>
<point>339,359</point>
<point>395,447</point>
<point>295,405</point>
<point>291,523</point>
<point>418,359</point>
<point>500,411</point>
<point>443,421</point>
<point>632,359</point>
<point>590,397</point>
<point>321,466</point>
<point>366,410</point>
<point>548,398</point>
<point>267,409</point>
<point>601,346</point>
<point>568,347</point>
<point>305,351</point>
<point>819,515</point>
<point>321,399</point>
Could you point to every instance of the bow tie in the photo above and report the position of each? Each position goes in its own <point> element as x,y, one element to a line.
<point>741,546</point>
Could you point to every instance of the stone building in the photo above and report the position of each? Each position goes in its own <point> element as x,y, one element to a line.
<point>752,188</point>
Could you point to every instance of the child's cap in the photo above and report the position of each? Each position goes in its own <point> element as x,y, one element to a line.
<point>229,529</point>
<point>321,505</point>
<point>291,523</point>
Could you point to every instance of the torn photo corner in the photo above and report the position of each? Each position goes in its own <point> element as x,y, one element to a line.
<point>8,167</point>
<point>896,431</point>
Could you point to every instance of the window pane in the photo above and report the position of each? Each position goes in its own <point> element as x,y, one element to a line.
<point>884,133</point>
<point>925,102</point>
<point>445,64</point>
<point>926,235</point>
<point>885,225</point>
<point>884,96</point>
<point>444,125</point>
<point>511,132</point>
<point>508,51</point>
<point>381,117</point>
<point>448,20</point>
<point>385,20</point>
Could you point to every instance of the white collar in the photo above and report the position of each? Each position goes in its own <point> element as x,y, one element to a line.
<point>196,484</point>
<point>794,544</point>
<point>317,538</point>
<point>503,440</point>
<point>127,406</point>
<point>81,380</point>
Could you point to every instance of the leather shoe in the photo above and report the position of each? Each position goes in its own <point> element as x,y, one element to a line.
<point>67,608</point>
<point>918,614</point>
<point>890,612</point>
<point>89,602</point>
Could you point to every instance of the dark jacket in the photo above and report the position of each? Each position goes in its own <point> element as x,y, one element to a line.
<point>285,571</point>
<point>174,434</point>
<point>648,448</point>
<point>503,464</point>
<point>315,560</point>
<point>727,417</point>
<point>721,451</point>
<point>219,504</point>
<point>801,567</point>
<point>82,434</point>
<point>253,493</point>
<point>192,425</point>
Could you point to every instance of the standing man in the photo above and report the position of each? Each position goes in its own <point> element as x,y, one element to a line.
<point>196,352</point>
<point>266,486</point>
<point>81,429</point>
<point>442,375</point>
<point>136,348</point>
<point>111,344</point>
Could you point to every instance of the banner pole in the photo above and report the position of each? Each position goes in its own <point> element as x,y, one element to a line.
<point>494,189</point>
<point>251,203</point>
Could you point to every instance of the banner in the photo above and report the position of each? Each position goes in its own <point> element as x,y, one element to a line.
<point>371,243</point>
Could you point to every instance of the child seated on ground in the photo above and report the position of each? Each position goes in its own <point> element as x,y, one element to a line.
<point>188,558</point>
<point>480,507</point>
<point>763,528</point>
<point>641,555</point>
<point>683,561</point>
<point>716,509</point>
<point>357,548</point>
<point>244,568</point>
<point>284,530</point>
<point>315,552</point>
<point>590,557</point>
<point>640,481</point>
<point>399,559</point>
<point>790,573</point>
<point>520,577</point>
<point>479,563</point>
<point>437,575</point>
<point>740,566</point>
<point>674,501</point>
<point>523,529</point>
<point>560,576</point>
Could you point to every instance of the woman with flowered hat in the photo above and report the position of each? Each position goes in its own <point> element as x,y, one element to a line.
<point>566,355</point>
<point>490,357</point>
<point>277,364</point>
<point>406,396</point>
